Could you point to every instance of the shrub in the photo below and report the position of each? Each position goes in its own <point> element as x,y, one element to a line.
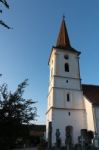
<point>42,145</point>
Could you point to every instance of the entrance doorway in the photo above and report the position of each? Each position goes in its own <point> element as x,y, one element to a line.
<point>68,135</point>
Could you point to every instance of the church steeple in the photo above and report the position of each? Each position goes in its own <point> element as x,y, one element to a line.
<point>66,109</point>
<point>63,38</point>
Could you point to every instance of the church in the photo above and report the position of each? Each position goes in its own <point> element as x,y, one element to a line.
<point>71,104</point>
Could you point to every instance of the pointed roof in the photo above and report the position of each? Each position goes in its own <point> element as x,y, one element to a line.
<point>63,38</point>
<point>63,41</point>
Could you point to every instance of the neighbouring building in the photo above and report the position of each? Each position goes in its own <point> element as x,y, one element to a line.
<point>70,103</point>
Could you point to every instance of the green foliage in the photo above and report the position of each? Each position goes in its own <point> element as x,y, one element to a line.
<point>15,111</point>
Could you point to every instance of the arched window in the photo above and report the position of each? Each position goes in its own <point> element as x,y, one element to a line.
<point>66,67</point>
<point>69,131</point>
<point>69,113</point>
<point>68,97</point>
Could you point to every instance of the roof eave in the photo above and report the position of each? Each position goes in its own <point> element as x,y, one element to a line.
<point>69,49</point>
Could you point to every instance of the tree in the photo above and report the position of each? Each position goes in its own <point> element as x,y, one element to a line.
<point>15,111</point>
<point>5,3</point>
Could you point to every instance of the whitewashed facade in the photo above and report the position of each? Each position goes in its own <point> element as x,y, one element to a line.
<point>67,106</point>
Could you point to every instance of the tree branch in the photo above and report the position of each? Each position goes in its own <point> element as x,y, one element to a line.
<point>5,3</point>
<point>5,25</point>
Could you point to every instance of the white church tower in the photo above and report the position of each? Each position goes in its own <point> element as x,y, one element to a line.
<point>65,97</point>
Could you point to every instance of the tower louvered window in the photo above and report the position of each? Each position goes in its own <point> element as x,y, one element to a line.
<point>68,97</point>
<point>66,67</point>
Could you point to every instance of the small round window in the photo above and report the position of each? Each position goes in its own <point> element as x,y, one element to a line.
<point>66,56</point>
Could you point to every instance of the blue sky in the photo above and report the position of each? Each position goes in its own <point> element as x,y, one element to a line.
<point>24,51</point>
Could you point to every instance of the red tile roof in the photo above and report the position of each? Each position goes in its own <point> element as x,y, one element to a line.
<point>91,92</point>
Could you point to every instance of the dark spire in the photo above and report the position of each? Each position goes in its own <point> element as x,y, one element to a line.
<point>63,39</point>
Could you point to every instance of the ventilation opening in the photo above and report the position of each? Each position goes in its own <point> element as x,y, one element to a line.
<point>68,97</point>
<point>69,113</point>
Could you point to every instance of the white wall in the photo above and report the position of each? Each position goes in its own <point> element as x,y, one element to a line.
<point>96,111</point>
<point>68,83</point>
<point>50,99</point>
<point>57,96</point>
<point>76,99</point>
<point>59,61</point>
<point>61,119</point>
<point>89,115</point>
